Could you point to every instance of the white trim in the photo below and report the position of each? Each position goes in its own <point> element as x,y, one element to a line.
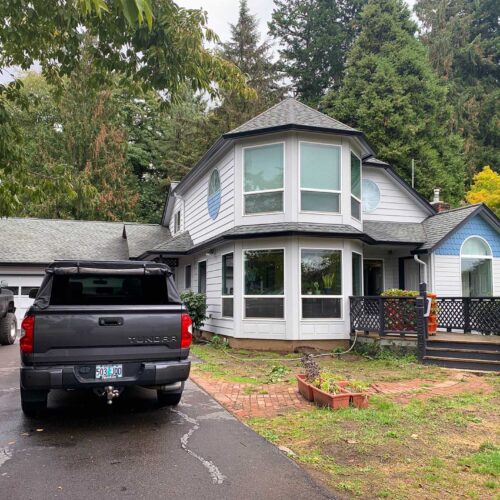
<point>332,191</point>
<point>244,296</point>
<point>222,297</point>
<point>360,186</point>
<point>244,193</point>
<point>477,257</point>
<point>352,274</point>
<point>306,296</point>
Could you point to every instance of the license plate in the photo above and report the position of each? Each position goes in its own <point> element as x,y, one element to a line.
<point>106,372</point>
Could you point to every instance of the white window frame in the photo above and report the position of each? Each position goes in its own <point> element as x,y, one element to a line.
<point>362,280</point>
<point>263,296</point>
<point>360,187</point>
<point>198,275</point>
<point>339,192</point>
<point>282,190</point>
<point>485,257</point>
<point>341,297</point>
<point>222,276</point>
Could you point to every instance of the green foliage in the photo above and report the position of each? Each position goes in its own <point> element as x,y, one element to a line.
<point>218,343</point>
<point>397,292</point>
<point>277,374</point>
<point>485,461</point>
<point>196,304</point>
<point>311,367</point>
<point>486,189</point>
<point>391,93</point>
<point>314,37</point>
<point>463,44</point>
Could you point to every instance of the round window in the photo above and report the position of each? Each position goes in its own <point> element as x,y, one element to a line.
<point>370,195</point>
<point>213,201</point>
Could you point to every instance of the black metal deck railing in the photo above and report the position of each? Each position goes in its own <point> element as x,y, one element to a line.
<point>390,315</point>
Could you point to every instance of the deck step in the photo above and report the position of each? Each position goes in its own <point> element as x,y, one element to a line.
<point>465,346</point>
<point>464,363</point>
<point>479,354</point>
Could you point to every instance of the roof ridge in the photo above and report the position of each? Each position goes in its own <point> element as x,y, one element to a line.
<point>261,113</point>
<point>41,219</point>
<point>456,209</point>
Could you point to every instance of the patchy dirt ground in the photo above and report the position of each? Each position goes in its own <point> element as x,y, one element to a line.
<point>428,433</point>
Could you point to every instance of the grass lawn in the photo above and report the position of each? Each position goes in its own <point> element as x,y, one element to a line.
<point>440,447</point>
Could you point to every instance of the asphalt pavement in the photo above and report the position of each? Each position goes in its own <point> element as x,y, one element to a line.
<point>84,449</point>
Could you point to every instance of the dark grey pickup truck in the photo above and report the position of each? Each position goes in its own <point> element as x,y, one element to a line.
<point>104,326</point>
<point>8,326</point>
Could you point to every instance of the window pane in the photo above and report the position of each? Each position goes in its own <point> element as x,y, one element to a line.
<point>264,202</point>
<point>13,289</point>
<point>477,278</point>
<point>25,290</point>
<point>202,277</point>
<point>264,308</point>
<point>357,288</point>
<point>355,208</point>
<point>227,274</point>
<point>264,272</point>
<point>321,272</point>
<point>370,195</point>
<point>320,202</point>
<point>319,166</point>
<point>355,176</point>
<point>227,307</point>
<point>321,308</point>
<point>187,277</point>
<point>475,246</point>
<point>263,168</point>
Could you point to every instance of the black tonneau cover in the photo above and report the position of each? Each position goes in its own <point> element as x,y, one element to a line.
<point>127,267</point>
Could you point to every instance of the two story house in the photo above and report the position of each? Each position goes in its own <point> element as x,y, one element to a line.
<point>289,214</point>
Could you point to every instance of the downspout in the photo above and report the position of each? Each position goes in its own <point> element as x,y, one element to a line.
<point>422,263</point>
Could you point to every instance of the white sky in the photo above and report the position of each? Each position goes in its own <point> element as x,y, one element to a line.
<point>220,14</point>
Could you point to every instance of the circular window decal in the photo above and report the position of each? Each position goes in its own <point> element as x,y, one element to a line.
<point>214,194</point>
<point>370,196</point>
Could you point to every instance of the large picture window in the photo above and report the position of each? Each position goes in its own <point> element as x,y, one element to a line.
<point>319,177</point>
<point>264,283</point>
<point>476,260</point>
<point>263,168</point>
<point>355,187</point>
<point>227,285</point>
<point>321,283</point>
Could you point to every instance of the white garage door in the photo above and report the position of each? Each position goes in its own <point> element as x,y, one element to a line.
<point>20,287</point>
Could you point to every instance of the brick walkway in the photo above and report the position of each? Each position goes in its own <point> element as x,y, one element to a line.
<point>269,400</point>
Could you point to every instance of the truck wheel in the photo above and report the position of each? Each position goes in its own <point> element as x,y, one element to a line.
<point>168,398</point>
<point>8,329</point>
<point>33,403</point>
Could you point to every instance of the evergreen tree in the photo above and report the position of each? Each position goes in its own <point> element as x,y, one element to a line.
<point>254,59</point>
<point>463,42</point>
<point>391,93</point>
<point>314,37</point>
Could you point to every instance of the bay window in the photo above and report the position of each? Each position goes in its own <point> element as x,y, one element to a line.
<point>227,285</point>
<point>319,177</point>
<point>476,259</point>
<point>321,283</point>
<point>264,290</point>
<point>263,173</point>
<point>355,187</point>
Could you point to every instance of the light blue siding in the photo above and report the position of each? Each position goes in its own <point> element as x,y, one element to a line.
<point>477,226</point>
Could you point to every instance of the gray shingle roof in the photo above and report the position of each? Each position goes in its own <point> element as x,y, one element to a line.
<point>395,232</point>
<point>440,225</point>
<point>42,241</point>
<point>294,227</point>
<point>144,237</point>
<point>375,161</point>
<point>290,112</point>
<point>180,243</point>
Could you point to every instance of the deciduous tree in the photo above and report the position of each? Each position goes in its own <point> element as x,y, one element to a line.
<point>486,189</point>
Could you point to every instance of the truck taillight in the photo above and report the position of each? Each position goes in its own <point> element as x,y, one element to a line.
<point>186,330</point>
<point>27,334</point>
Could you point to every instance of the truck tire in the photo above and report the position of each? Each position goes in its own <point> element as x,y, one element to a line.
<point>168,398</point>
<point>33,403</point>
<point>8,329</point>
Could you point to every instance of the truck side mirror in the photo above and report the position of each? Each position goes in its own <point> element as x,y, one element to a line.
<point>33,293</point>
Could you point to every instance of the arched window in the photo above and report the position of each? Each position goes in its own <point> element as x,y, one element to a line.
<point>476,260</point>
<point>214,195</point>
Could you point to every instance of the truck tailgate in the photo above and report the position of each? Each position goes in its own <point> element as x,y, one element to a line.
<point>108,334</point>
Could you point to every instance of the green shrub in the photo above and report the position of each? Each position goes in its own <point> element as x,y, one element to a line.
<point>196,304</point>
<point>218,343</point>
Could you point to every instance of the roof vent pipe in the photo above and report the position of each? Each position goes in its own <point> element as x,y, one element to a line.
<point>436,195</point>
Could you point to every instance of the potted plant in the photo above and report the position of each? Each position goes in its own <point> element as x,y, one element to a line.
<point>433,316</point>
<point>311,369</point>
<point>328,283</point>
<point>358,393</point>
<point>330,393</point>
<point>400,315</point>
<point>317,291</point>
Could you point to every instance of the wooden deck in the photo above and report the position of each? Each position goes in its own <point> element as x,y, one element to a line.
<point>439,336</point>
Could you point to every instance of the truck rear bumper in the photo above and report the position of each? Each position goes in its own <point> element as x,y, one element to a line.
<point>71,377</point>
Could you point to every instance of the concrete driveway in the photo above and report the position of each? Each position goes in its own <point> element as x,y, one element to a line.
<point>84,449</point>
